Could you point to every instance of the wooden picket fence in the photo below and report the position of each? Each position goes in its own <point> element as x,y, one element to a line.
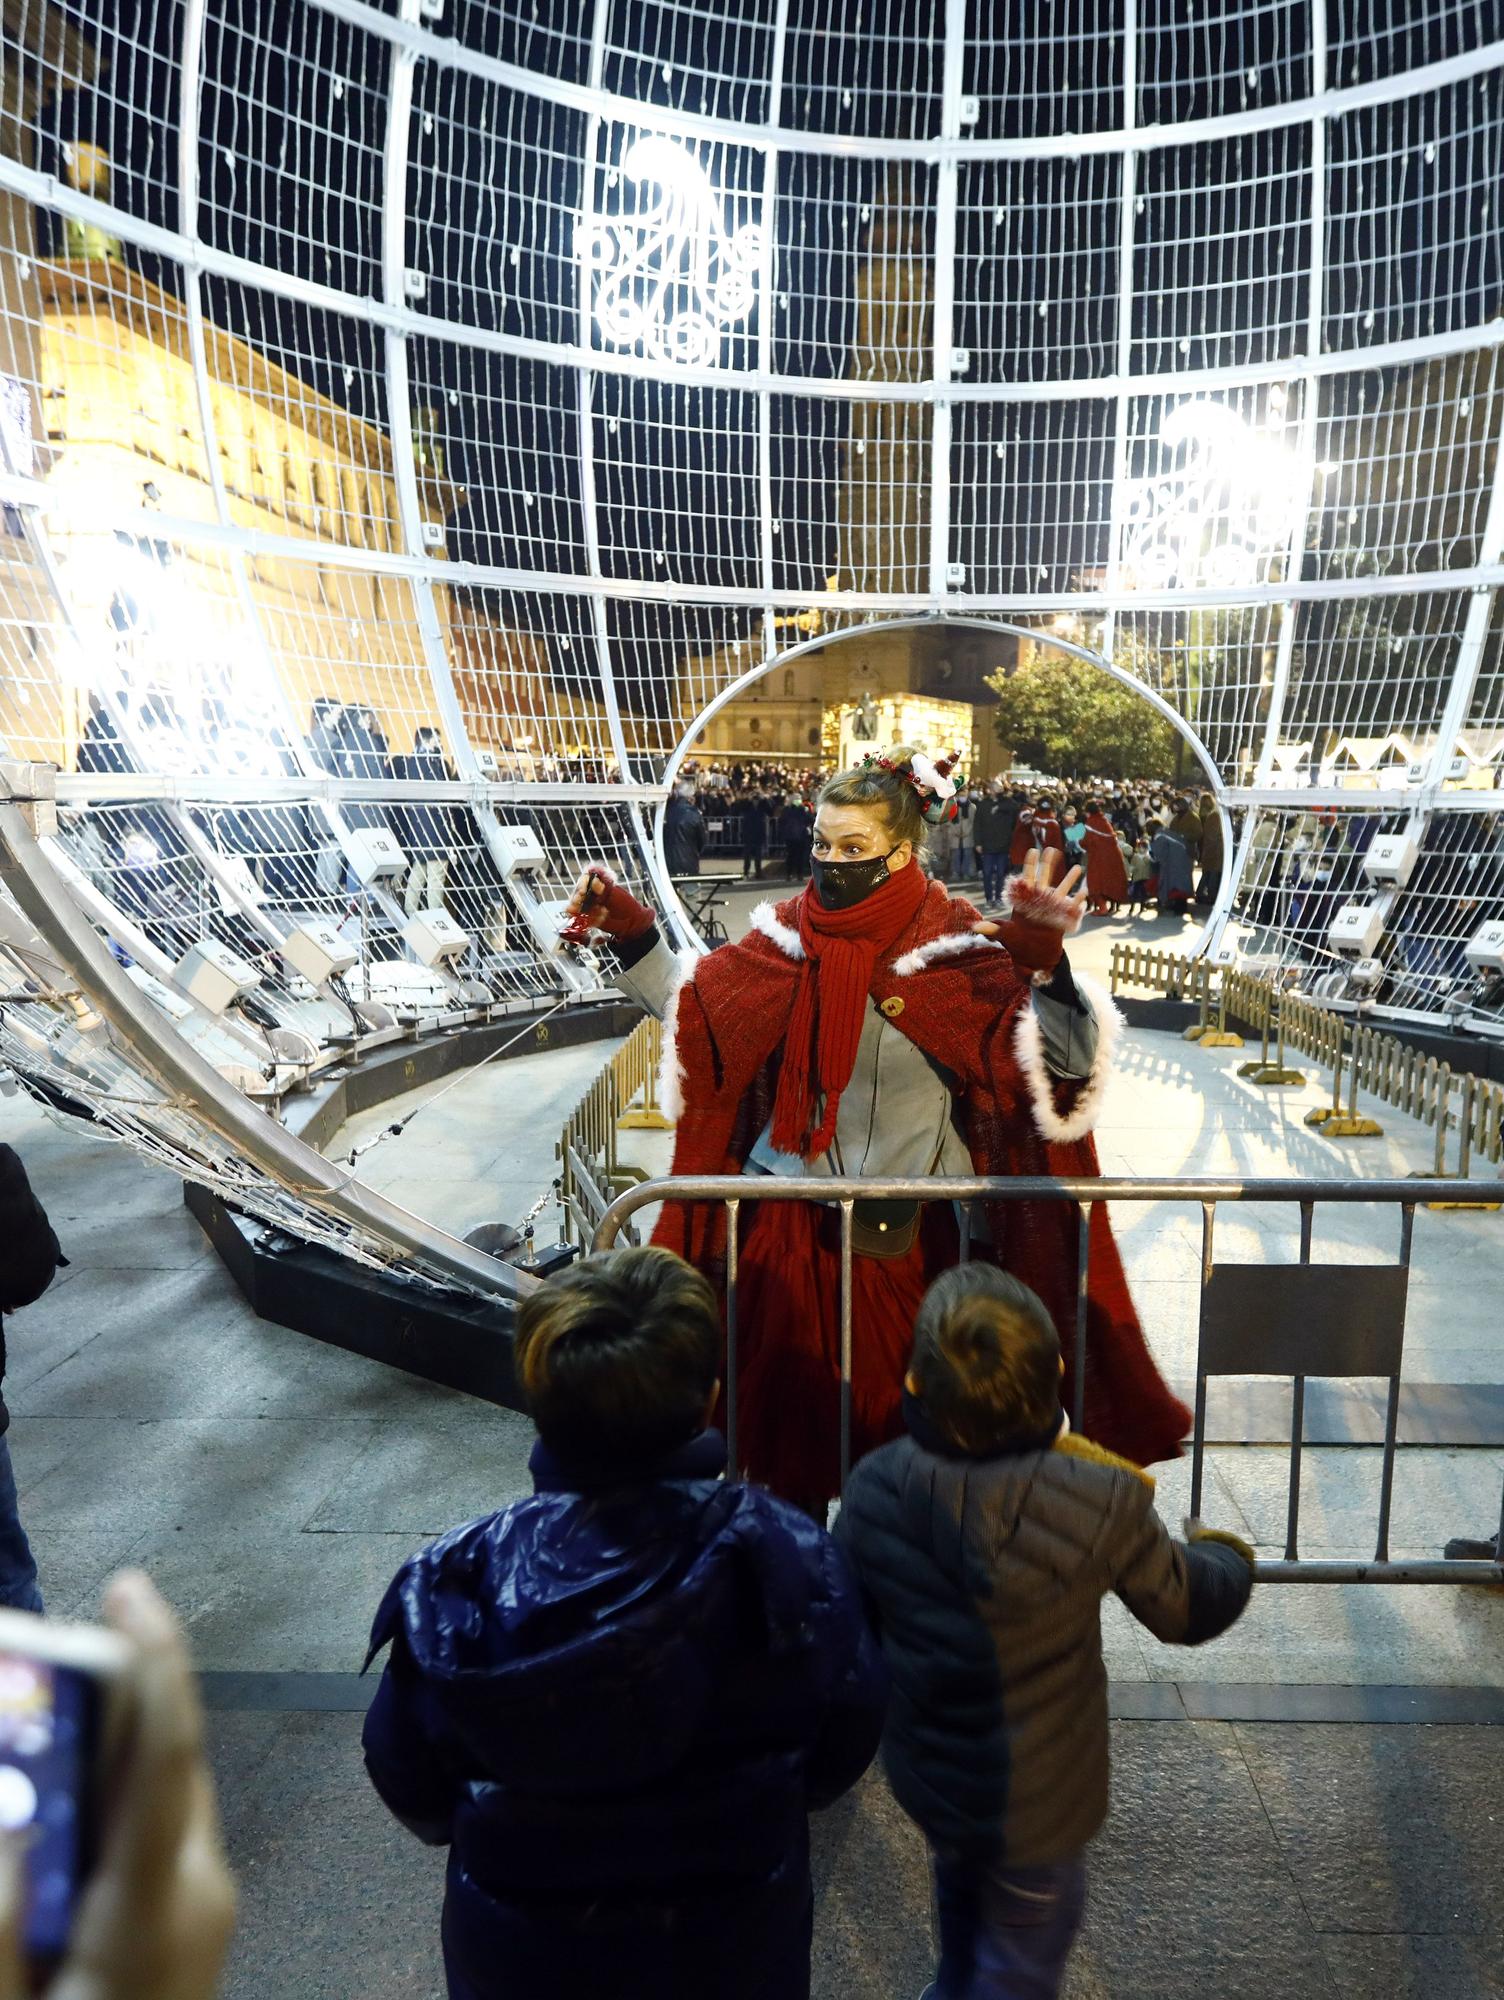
<point>624,1095</point>
<point>1359,1057</point>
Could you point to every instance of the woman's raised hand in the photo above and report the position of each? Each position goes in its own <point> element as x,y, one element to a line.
<point>1038,872</point>
<point>600,903</point>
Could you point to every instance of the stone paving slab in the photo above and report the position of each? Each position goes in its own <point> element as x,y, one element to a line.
<point>1263,1862</point>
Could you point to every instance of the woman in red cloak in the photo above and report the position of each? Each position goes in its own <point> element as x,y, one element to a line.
<point>1106,876</point>
<point>875,1025</point>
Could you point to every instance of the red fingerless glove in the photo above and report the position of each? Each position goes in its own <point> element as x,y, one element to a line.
<point>610,909</point>
<point>1037,925</point>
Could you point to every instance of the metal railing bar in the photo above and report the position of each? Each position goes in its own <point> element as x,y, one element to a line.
<point>1421,1570</point>
<point>968,1188</point>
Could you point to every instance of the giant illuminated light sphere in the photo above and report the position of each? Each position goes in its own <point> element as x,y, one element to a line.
<point>437,413</point>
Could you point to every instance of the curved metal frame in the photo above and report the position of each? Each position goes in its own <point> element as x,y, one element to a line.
<point>183,1074</point>
<point>1216,917</point>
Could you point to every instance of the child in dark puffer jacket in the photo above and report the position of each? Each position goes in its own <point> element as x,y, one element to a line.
<point>616,1702</point>
<point>985,1542</point>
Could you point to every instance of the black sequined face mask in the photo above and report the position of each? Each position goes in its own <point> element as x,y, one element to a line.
<point>841,884</point>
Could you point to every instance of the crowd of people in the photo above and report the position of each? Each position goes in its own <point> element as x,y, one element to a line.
<point>1140,842</point>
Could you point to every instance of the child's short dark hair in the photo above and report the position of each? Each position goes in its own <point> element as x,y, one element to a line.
<point>986,1357</point>
<point>617,1357</point>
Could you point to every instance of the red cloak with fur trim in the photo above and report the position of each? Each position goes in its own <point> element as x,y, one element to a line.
<point>1106,876</point>
<point>959,999</point>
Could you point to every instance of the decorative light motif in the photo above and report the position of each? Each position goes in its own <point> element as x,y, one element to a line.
<point>670,279</point>
<point>1223,499</point>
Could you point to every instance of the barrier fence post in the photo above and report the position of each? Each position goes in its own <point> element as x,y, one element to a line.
<point>1329,1033</point>
<point>1351,1124</point>
<point>733,1254</point>
<point>1198,1422</point>
<point>1297,1412</point>
<point>1083,1301</point>
<point>1256,1068</point>
<point>1278,1072</point>
<point>1220,1037</point>
<point>848,1215</point>
<point>1392,1407</point>
<point>1199,1029</point>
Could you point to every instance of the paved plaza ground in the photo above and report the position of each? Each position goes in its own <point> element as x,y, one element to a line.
<point>1267,1840</point>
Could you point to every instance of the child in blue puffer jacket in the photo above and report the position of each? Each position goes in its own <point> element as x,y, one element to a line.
<point>618,1701</point>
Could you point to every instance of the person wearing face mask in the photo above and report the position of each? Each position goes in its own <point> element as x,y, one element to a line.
<point>875,1025</point>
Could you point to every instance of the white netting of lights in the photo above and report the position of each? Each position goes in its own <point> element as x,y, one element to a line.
<point>419,417</point>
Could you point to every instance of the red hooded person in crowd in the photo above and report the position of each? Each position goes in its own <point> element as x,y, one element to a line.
<point>1106,874</point>
<point>875,1025</point>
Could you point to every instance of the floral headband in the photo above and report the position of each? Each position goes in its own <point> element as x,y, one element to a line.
<point>932,780</point>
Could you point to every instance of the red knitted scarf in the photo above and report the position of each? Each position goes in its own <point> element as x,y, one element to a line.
<point>841,948</point>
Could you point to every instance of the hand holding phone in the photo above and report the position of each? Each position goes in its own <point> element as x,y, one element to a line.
<point>105,1731</point>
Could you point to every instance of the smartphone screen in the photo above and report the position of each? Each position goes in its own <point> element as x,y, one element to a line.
<point>48,1721</point>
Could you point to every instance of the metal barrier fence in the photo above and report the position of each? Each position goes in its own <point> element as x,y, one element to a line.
<point>623,1096</point>
<point>1337,1321</point>
<point>1359,1057</point>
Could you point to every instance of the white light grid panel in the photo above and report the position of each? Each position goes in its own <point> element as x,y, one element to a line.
<point>1220,57</point>
<point>1222,252</point>
<point>508,432</point>
<point>1486,710</point>
<point>349,637</point>
<point>853,281</point>
<point>529,683</point>
<point>1037,268</point>
<point>668,661</point>
<point>550,38</point>
<point>41,713</point>
<point>709,57</point>
<point>1372,665</point>
<point>292,115</point>
<point>883,499</point>
<point>1216,667</point>
<point>809,440</point>
<point>503,953</point>
<point>1063,74</point>
<point>1303,866</point>
<point>299,405</point>
<point>119,400</point>
<point>572,835</point>
<point>131,48</point>
<point>1457,887</point>
<point>676,483</point>
<point>42,1041</point>
<point>1405,466</point>
<point>1372,39</point>
<point>291,851</point>
<point>1030,494</point>
<point>1413,233</point>
<point>870,69</point>
<point>493,196</point>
